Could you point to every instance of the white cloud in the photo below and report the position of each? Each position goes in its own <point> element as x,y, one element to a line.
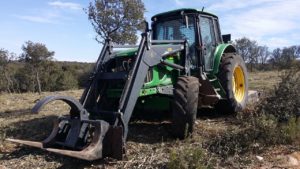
<point>65,5</point>
<point>268,21</point>
<point>226,5</point>
<point>51,15</point>
<point>179,3</point>
<point>42,16</point>
<point>37,19</point>
<point>276,42</point>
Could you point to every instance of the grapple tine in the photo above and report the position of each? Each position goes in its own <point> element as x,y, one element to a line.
<point>78,136</point>
<point>93,151</point>
<point>29,143</point>
<point>37,144</point>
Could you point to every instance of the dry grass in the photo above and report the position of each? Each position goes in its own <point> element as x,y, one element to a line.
<point>264,80</point>
<point>149,143</point>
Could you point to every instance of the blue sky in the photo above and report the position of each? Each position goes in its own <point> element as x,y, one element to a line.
<point>63,25</point>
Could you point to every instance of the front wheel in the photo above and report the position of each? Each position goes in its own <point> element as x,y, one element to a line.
<point>233,77</point>
<point>185,106</point>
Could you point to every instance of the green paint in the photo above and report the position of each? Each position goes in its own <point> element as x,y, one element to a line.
<point>161,76</point>
<point>114,93</point>
<point>212,74</point>
<point>147,92</point>
<point>126,53</point>
<point>165,75</point>
<point>217,85</point>
<point>166,72</point>
<point>218,55</point>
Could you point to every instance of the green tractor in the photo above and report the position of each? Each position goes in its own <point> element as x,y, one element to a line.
<point>181,64</point>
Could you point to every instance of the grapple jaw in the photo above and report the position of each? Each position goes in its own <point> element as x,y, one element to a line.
<point>80,138</point>
<point>93,151</point>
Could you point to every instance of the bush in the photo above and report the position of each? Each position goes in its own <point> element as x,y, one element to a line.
<point>284,101</point>
<point>188,158</point>
<point>274,121</point>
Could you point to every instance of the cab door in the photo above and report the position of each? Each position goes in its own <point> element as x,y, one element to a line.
<point>208,41</point>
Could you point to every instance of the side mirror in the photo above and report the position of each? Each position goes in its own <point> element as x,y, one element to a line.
<point>226,38</point>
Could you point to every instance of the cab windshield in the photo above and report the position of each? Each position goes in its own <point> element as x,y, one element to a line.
<point>175,30</point>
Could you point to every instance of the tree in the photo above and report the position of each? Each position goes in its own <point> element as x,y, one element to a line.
<point>275,59</point>
<point>4,59</point>
<point>298,52</point>
<point>6,82</point>
<point>36,55</point>
<point>249,50</point>
<point>283,58</point>
<point>263,55</point>
<point>289,54</point>
<point>116,19</point>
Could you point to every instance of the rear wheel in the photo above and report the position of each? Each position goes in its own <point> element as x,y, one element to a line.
<point>185,106</point>
<point>234,79</point>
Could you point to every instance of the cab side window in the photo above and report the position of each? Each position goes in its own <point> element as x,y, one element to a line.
<point>208,41</point>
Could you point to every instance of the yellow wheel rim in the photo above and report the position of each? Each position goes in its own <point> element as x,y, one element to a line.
<point>238,83</point>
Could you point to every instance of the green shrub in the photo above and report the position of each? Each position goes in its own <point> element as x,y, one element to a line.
<point>273,121</point>
<point>284,101</point>
<point>291,131</point>
<point>188,158</point>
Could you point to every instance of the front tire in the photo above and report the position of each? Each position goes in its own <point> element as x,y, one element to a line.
<point>185,106</point>
<point>233,77</point>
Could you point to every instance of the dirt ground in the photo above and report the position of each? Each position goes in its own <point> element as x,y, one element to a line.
<point>149,142</point>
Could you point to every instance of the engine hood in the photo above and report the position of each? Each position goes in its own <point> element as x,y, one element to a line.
<point>126,53</point>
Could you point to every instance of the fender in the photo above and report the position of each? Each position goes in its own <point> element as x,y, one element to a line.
<point>221,48</point>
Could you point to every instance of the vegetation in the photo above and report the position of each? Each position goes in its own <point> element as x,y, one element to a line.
<point>35,56</point>
<point>259,57</point>
<point>116,19</point>
<point>187,158</point>
<point>6,82</point>
<point>272,122</point>
<point>218,141</point>
<point>35,71</point>
<point>229,142</point>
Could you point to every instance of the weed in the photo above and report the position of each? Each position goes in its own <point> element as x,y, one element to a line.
<point>188,158</point>
<point>273,121</point>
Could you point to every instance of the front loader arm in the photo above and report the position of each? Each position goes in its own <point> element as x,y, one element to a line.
<point>87,136</point>
<point>148,55</point>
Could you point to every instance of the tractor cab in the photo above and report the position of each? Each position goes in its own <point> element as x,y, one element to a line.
<point>200,30</point>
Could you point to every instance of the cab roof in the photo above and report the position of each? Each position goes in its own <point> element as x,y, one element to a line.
<point>178,12</point>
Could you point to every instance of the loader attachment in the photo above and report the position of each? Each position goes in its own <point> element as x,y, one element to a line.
<point>91,131</point>
<point>80,138</point>
<point>91,152</point>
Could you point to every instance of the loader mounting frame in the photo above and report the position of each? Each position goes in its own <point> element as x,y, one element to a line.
<point>110,131</point>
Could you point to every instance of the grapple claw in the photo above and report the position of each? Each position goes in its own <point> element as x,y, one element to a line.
<point>77,136</point>
<point>92,151</point>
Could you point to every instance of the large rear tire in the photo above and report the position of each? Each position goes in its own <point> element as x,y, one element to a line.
<point>185,106</point>
<point>233,77</point>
